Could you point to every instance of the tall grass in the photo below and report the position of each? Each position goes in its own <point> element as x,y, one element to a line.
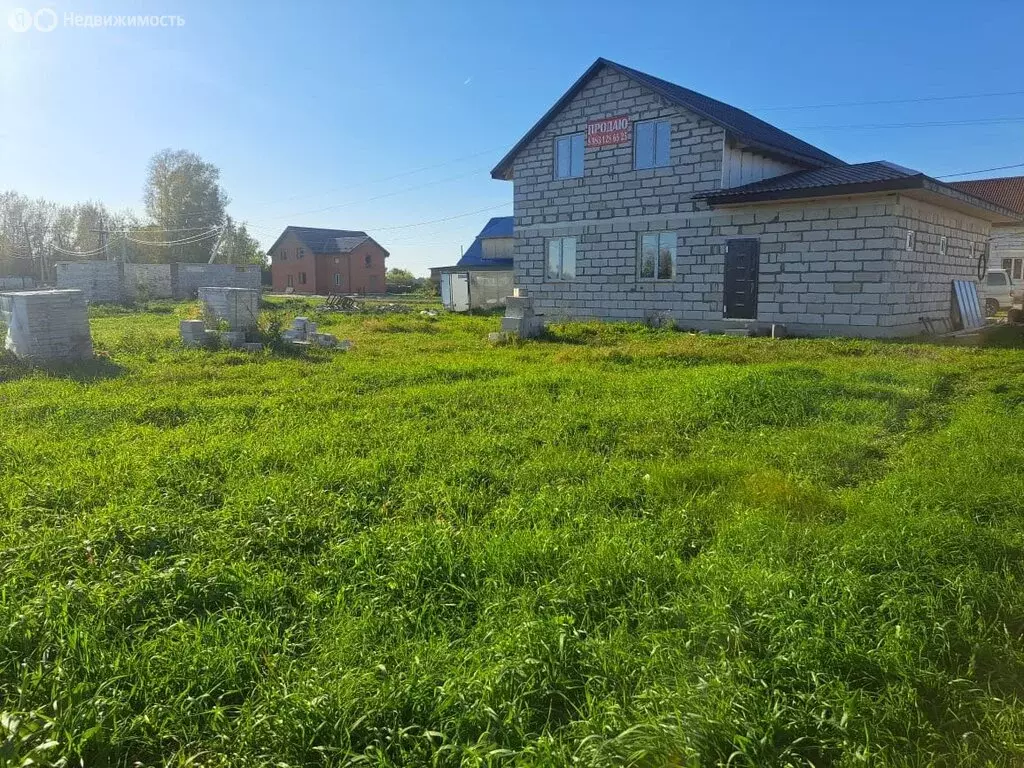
<point>615,546</point>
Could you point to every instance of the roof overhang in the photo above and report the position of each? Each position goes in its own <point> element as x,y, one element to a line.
<point>477,268</point>
<point>918,187</point>
<point>503,170</point>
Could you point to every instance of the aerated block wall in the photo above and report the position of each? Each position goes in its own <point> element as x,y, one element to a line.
<point>46,325</point>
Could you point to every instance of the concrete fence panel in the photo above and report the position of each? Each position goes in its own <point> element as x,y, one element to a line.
<point>148,281</point>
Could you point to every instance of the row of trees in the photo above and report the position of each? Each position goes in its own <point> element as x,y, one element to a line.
<point>400,280</point>
<point>185,219</point>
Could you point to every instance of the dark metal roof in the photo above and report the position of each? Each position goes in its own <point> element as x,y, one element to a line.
<point>323,241</point>
<point>879,172</point>
<point>742,126</point>
<point>878,176</point>
<point>1007,191</point>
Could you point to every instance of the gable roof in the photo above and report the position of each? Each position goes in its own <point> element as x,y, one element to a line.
<point>741,125</point>
<point>499,226</point>
<point>1007,191</point>
<point>860,178</point>
<point>323,241</point>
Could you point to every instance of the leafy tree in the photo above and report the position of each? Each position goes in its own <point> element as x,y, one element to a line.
<point>183,197</point>
<point>400,281</point>
<point>238,246</point>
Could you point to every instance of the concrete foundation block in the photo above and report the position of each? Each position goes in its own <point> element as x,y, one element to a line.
<point>238,307</point>
<point>46,325</point>
<point>524,327</point>
<point>233,339</point>
<point>519,307</point>
<point>324,339</point>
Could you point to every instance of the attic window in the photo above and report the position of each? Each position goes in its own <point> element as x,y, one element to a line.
<point>369,260</point>
<point>282,255</point>
<point>302,252</point>
<point>653,140</point>
<point>569,156</point>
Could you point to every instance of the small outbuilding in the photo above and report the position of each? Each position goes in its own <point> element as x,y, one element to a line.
<point>483,277</point>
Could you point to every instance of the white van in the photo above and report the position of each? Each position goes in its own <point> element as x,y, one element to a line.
<point>998,292</point>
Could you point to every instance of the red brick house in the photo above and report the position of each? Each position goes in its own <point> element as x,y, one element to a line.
<point>323,261</point>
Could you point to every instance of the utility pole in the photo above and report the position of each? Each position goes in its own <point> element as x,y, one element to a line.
<point>216,245</point>
<point>102,232</point>
<point>31,253</point>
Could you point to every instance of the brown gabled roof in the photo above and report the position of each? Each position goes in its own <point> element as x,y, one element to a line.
<point>1007,192</point>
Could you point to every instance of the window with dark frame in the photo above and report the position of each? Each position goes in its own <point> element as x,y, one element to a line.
<point>561,259</point>
<point>302,252</point>
<point>368,260</point>
<point>657,252</point>
<point>282,255</point>
<point>302,278</point>
<point>569,156</point>
<point>651,144</point>
<point>337,278</point>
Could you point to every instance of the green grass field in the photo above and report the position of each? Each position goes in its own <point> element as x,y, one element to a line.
<point>614,546</point>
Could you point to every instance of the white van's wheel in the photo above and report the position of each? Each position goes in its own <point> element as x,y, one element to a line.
<point>991,307</point>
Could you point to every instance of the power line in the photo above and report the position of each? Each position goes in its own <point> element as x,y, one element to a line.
<point>982,121</point>
<point>385,178</point>
<point>184,241</point>
<point>980,170</point>
<point>382,196</point>
<point>438,221</point>
<point>358,183</point>
<point>892,101</point>
<point>94,252</point>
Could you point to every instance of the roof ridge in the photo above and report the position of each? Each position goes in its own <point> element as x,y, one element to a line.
<point>757,133</point>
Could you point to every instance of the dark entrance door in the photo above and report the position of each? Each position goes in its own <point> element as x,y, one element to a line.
<point>742,259</point>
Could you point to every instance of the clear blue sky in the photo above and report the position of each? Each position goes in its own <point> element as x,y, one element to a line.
<point>308,106</point>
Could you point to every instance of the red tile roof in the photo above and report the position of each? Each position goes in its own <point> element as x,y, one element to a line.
<point>1007,192</point>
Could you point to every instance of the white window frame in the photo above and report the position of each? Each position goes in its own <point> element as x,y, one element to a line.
<point>575,142</point>
<point>661,239</point>
<point>911,240</point>
<point>560,275</point>
<point>656,161</point>
<point>282,254</point>
<point>1015,267</point>
<point>943,245</point>
<point>302,278</point>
